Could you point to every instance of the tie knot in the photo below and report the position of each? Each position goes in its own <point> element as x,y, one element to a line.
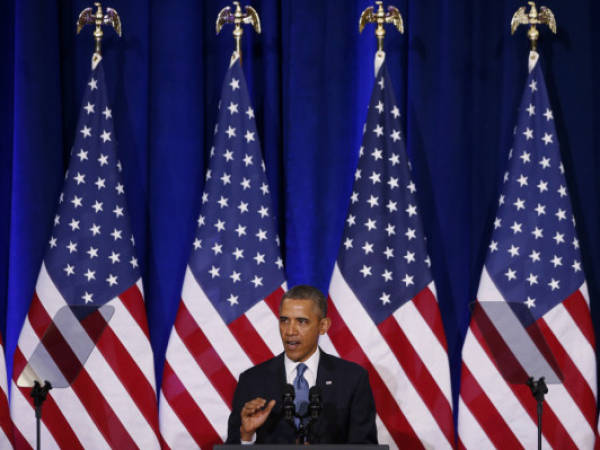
<point>300,369</point>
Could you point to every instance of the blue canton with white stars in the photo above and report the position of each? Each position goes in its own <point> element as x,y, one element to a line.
<point>383,255</point>
<point>235,253</point>
<point>90,255</point>
<point>533,257</point>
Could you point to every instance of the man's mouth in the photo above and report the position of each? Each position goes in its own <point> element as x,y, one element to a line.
<point>292,345</point>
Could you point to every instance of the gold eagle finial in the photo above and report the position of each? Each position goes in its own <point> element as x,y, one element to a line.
<point>250,17</point>
<point>380,17</point>
<point>87,16</point>
<point>544,16</point>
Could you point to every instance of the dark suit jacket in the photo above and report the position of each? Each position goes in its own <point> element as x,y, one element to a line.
<point>348,414</point>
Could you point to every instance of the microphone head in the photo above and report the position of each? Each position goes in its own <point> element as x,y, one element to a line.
<point>289,392</point>
<point>314,394</point>
<point>289,408</point>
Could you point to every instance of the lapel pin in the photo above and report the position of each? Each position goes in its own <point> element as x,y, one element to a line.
<point>328,382</point>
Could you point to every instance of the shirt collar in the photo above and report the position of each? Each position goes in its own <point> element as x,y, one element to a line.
<point>312,365</point>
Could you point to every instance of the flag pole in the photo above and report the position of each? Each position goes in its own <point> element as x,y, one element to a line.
<point>380,18</point>
<point>87,16</point>
<point>545,16</point>
<point>250,17</point>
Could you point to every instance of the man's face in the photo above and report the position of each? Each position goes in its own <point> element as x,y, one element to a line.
<point>300,325</point>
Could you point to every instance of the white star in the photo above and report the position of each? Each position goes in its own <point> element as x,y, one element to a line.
<point>375,178</point>
<point>82,155</point>
<point>235,84</point>
<point>576,266</point>
<point>348,243</point>
<point>501,199</point>
<point>107,113</point>
<point>561,214</point>
<point>493,246</point>
<point>120,189</point>
<point>540,209</point>
<point>411,187</point>
<point>89,108</point>
<point>393,183</point>
<point>410,257</point>
<point>385,298</point>
<point>261,235</point>
<point>112,279</point>
<point>531,110</point>
<point>376,154</point>
<point>522,180</point>
<point>72,247</point>
<point>394,159</point>
<point>532,279</point>
<point>238,253</point>
<point>103,160</point>
<point>105,136</point>
<point>357,174</point>
<point>263,211</point>
<point>76,201</point>
<point>410,234</point>
<point>387,275</point>
<point>528,133</point>
<point>514,251</point>
<point>391,206</point>
<point>230,132</point>
<point>240,230</point>
<point>366,271</point>
<point>86,131</point>
<point>279,263</point>
<point>247,160</point>
<point>74,224</point>
<point>408,280</point>
<point>547,139</point>
<point>250,113</point>
<point>562,191</point>
<point>378,130</point>
<point>87,297</point>
<point>228,155</point>
<point>223,202</point>
<point>100,183</point>
<point>257,281</point>
<point>235,277</point>
<point>233,108</point>
<point>533,85</point>
<point>395,112</point>
<point>114,257</point>
<point>530,302</point>
<point>351,220</point>
<point>379,107</point>
<point>354,197</point>
<point>411,210</point>
<point>559,238</point>
<point>526,157</point>
<point>542,186</point>
<point>245,183</point>
<point>373,201</point>
<point>516,227</point>
<point>69,270</point>
<point>243,207</point>
<point>90,274</point>
<point>538,233</point>
<point>371,224</point>
<point>575,243</point>
<point>97,206</point>
<point>388,252</point>
<point>264,188</point>
<point>548,114</point>
<point>545,162</point>
<point>217,248</point>
<point>390,229</point>
<point>511,274</point>
<point>52,242</point>
<point>556,261</point>
<point>395,135</point>
<point>519,204</point>
<point>118,211</point>
<point>249,136</point>
<point>535,256</point>
<point>214,272</point>
<point>367,248</point>
<point>93,252</point>
<point>93,84</point>
<point>116,234</point>
<point>554,284</point>
<point>225,179</point>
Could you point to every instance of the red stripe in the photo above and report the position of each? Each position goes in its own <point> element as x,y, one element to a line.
<point>126,369</point>
<point>391,415</point>
<point>250,340</point>
<point>273,300</point>
<point>419,376</point>
<point>484,411</point>
<point>20,442</point>
<point>204,354</point>
<point>186,409</point>
<point>553,431</point>
<point>573,381</point>
<point>580,311</point>
<point>133,300</point>
<point>428,306</point>
<point>52,416</point>
<point>5,422</point>
<point>83,386</point>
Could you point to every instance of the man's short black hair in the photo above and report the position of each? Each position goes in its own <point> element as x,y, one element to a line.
<point>305,291</point>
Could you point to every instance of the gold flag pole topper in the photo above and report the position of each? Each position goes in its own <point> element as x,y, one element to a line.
<point>87,16</point>
<point>545,16</point>
<point>393,16</point>
<point>237,18</point>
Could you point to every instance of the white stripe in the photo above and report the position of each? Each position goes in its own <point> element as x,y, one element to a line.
<point>499,393</point>
<point>133,339</point>
<point>4,441</point>
<point>173,431</point>
<point>213,326</point>
<point>46,290</point>
<point>384,361</point>
<point>198,385</point>
<point>140,286</point>
<point>24,420</point>
<point>470,432</point>
<point>326,345</point>
<point>266,325</point>
<point>584,291</point>
<point>426,344</point>
<point>569,414</point>
<point>568,333</point>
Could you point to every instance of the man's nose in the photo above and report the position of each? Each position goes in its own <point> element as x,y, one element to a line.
<point>291,329</point>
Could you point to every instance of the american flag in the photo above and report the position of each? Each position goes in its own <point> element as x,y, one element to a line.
<point>228,315</point>
<point>383,305</point>
<point>6,426</point>
<point>86,329</point>
<point>533,265</point>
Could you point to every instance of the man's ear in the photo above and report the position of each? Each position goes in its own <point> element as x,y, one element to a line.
<point>324,325</point>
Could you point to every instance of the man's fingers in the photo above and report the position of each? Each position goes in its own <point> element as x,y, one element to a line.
<point>269,406</point>
<point>253,406</point>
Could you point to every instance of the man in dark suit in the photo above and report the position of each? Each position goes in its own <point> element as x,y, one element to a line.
<point>348,409</point>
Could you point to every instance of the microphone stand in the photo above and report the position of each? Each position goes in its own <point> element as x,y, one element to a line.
<point>538,390</point>
<point>39,393</point>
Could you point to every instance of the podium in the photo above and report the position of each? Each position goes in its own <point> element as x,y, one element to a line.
<point>313,447</point>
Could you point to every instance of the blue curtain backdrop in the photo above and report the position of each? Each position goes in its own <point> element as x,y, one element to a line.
<point>458,75</point>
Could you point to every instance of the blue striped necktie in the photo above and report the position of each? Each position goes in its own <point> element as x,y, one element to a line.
<point>301,387</point>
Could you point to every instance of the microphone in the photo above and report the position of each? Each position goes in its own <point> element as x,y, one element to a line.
<point>289,408</point>
<point>314,405</point>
